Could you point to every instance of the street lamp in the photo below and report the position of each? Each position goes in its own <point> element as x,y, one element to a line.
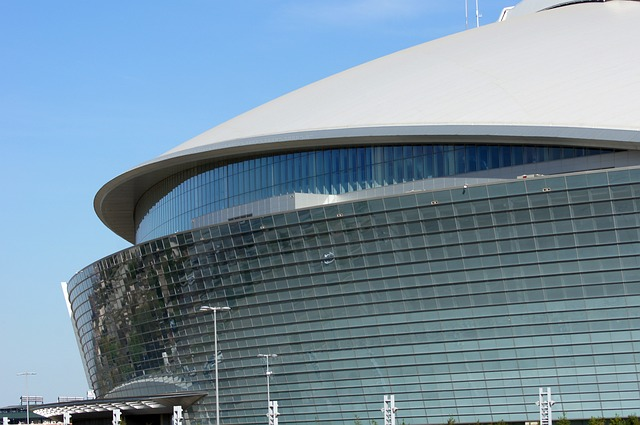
<point>26,380</point>
<point>215,310</point>
<point>268,374</point>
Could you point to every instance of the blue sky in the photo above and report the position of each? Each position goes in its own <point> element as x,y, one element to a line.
<point>90,89</point>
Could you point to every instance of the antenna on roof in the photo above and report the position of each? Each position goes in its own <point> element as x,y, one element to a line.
<point>466,14</point>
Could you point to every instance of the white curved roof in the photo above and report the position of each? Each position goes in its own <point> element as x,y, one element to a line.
<point>500,74</point>
<point>567,72</point>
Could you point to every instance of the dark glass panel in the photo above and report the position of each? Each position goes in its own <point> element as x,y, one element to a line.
<point>194,194</point>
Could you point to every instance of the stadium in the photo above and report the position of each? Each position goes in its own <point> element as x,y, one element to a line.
<point>455,224</point>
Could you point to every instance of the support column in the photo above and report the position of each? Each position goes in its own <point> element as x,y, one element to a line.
<point>176,418</point>
<point>389,410</point>
<point>117,416</point>
<point>273,412</point>
<point>544,403</point>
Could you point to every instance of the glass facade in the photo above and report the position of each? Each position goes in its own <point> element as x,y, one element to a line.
<point>461,303</point>
<point>172,204</point>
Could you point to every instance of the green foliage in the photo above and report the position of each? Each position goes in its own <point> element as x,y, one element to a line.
<point>374,422</point>
<point>617,420</point>
<point>596,421</point>
<point>563,420</point>
<point>633,420</point>
<point>451,421</point>
<point>357,421</point>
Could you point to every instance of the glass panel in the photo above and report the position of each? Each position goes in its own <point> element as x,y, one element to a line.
<point>192,197</point>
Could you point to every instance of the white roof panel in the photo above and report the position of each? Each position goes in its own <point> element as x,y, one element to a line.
<point>566,67</point>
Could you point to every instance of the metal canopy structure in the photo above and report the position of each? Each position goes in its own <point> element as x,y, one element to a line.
<point>157,404</point>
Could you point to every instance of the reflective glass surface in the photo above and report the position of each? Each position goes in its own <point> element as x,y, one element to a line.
<point>461,303</point>
<point>171,205</point>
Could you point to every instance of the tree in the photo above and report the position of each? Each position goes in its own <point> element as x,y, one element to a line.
<point>633,420</point>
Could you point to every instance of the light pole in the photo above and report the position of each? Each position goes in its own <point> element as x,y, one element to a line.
<point>26,380</point>
<point>215,311</point>
<point>267,357</point>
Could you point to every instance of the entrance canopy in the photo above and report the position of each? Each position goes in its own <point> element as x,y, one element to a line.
<point>157,404</point>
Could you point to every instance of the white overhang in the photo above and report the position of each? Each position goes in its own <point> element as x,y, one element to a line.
<point>130,405</point>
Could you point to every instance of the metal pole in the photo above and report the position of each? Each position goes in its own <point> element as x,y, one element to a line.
<point>389,409</point>
<point>26,380</point>
<point>268,374</point>
<point>215,354</point>
<point>466,14</point>
<point>215,348</point>
<point>545,403</point>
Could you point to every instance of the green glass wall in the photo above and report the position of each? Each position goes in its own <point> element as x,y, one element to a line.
<point>461,303</point>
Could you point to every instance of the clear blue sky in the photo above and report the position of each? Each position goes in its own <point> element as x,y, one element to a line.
<point>89,89</point>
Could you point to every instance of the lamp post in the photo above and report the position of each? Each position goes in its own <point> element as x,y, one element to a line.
<point>267,357</point>
<point>215,310</point>
<point>26,380</point>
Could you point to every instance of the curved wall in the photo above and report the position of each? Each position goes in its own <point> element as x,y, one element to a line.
<point>460,302</point>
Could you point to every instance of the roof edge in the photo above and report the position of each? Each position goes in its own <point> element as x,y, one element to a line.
<point>115,202</point>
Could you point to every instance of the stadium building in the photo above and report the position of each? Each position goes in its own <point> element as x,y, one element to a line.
<point>455,224</point>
